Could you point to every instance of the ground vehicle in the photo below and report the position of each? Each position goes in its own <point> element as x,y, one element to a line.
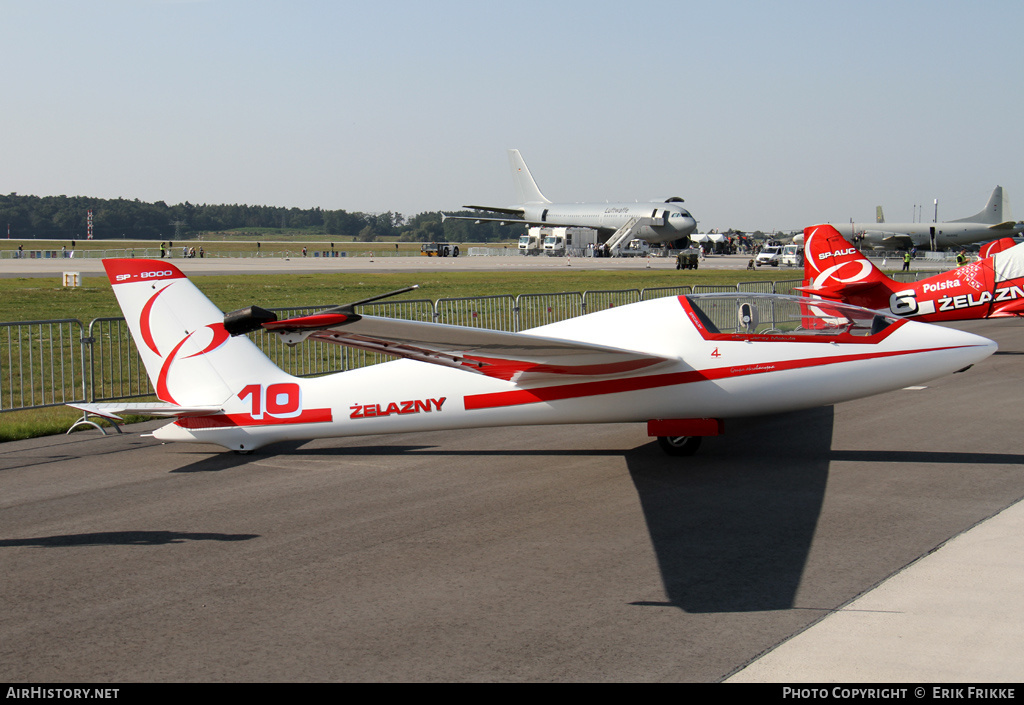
<point>439,249</point>
<point>792,256</point>
<point>554,243</point>
<point>687,259</point>
<point>531,243</point>
<point>561,241</point>
<point>772,254</point>
<point>636,248</point>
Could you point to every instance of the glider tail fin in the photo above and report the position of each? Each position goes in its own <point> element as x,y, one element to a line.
<point>835,269</point>
<point>189,356</point>
<point>526,188</point>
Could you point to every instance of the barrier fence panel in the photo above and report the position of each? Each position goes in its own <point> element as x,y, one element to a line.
<point>410,310</point>
<point>763,287</point>
<point>722,312</point>
<point>725,314</point>
<point>594,301</point>
<point>495,312</point>
<point>913,276</point>
<point>41,364</point>
<point>658,292</point>
<point>534,310</point>
<point>714,289</point>
<point>788,287</point>
<point>115,367</point>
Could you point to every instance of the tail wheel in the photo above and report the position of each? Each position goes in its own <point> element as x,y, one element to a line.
<point>679,445</point>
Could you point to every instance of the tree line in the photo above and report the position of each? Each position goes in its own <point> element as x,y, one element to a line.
<point>60,217</point>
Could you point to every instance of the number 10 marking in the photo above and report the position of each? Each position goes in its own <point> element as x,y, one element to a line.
<point>282,400</point>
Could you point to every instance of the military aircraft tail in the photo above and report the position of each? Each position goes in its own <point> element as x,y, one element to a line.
<point>526,187</point>
<point>191,359</point>
<point>835,269</point>
<point>997,211</point>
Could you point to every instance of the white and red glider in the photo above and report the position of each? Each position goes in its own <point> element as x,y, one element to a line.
<point>679,364</point>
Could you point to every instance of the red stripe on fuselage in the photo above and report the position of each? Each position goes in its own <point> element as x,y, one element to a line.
<point>519,397</point>
<point>196,423</point>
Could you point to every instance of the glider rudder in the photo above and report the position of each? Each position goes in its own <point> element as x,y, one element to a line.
<point>188,354</point>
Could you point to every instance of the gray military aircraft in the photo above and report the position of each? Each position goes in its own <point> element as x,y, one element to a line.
<point>655,221</point>
<point>994,222</point>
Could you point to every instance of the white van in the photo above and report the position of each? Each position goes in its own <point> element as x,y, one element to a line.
<point>771,254</point>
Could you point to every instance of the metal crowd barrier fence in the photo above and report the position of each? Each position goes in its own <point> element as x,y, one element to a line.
<point>115,367</point>
<point>787,287</point>
<point>594,301</point>
<point>914,275</point>
<point>765,287</point>
<point>52,363</point>
<point>535,310</point>
<point>42,363</point>
<point>662,291</point>
<point>495,312</point>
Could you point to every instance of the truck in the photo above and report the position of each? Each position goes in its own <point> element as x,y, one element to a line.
<point>561,241</point>
<point>532,243</point>
<point>439,249</point>
<point>636,247</point>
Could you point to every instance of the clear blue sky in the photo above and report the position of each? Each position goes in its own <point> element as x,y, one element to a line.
<point>760,114</point>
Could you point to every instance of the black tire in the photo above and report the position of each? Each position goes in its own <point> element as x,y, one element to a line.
<point>679,445</point>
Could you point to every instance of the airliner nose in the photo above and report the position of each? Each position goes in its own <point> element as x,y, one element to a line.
<point>686,225</point>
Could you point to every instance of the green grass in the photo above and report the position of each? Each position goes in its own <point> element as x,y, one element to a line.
<point>30,299</point>
<point>50,421</point>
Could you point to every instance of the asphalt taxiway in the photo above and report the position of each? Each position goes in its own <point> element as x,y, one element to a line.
<point>283,265</point>
<point>875,540</point>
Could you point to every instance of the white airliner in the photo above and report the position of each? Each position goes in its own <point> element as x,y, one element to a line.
<point>994,222</point>
<point>678,364</point>
<point>655,221</point>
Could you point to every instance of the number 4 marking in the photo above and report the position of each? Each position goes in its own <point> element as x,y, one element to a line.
<point>716,353</point>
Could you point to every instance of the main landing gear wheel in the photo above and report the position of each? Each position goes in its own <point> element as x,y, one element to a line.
<point>679,445</point>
